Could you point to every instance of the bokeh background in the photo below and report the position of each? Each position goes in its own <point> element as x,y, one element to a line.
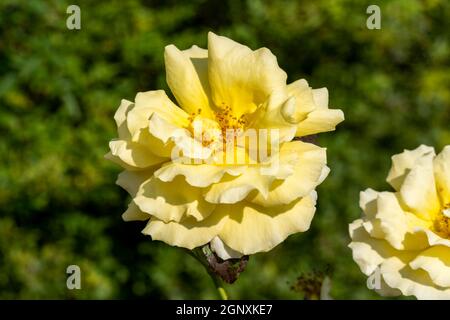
<point>59,90</point>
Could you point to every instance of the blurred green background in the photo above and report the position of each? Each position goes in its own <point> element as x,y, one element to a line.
<point>59,90</point>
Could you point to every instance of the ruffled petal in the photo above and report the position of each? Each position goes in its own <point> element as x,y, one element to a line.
<point>240,78</point>
<point>402,164</point>
<point>309,171</point>
<point>251,228</point>
<point>172,201</point>
<point>436,262</point>
<point>184,80</point>
<point>188,233</point>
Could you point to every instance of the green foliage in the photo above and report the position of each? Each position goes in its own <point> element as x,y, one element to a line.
<point>59,90</point>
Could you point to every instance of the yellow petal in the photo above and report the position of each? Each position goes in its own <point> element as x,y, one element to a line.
<point>147,103</point>
<point>442,175</point>
<point>121,119</point>
<point>134,155</point>
<point>368,202</point>
<point>184,70</point>
<point>201,175</point>
<point>188,233</point>
<point>320,120</point>
<point>233,189</point>
<point>418,190</point>
<point>251,228</point>
<point>224,251</point>
<point>133,213</point>
<point>367,252</point>
<point>172,201</point>
<point>309,171</point>
<point>239,77</point>
<point>403,162</point>
<point>398,274</point>
<point>304,98</point>
<point>436,262</point>
<point>131,180</point>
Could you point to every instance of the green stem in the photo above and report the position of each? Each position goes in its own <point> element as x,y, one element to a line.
<point>219,286</point>
<point>218,283</point>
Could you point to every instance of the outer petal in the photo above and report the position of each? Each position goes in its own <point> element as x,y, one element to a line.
<point>252,229</point>
<point>172,201</point>
<point>133,155</point>
<point>320,120</point>
<point>309,171</point>
<point>402,164</point>
<point>121,119</point>
<point>184,79</point>
<point>239,77</point>
<point>188,233</point>
<point>133,213</point>
<point>131,180</point>
<point>442,175</point>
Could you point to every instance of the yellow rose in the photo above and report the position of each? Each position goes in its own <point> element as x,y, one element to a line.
<point>174,157</point>
<point>404,236</point>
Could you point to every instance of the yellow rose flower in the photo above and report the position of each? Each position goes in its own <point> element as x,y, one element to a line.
<point>404,236</point>
<point>174,156</point>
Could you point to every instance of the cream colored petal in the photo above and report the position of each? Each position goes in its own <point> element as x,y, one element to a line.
<point>402,164</point>
<point>172,201</point>
<point>188,233</point>
<point>121,119</point>
<point>435,261</point>
<point>367,252</point>
<point>368,202</point>
<point>320,120</point>
<point>309,171</point>
<point>133,213</point>
<point>418,190</point>
<point>201,175</point>
<point>251,229</point>
<point>184,80</point>
<point>239,77</point>
<point>393,220</point>
<point>398,274</point>
<point>224,251</point>
<point>442,175</point>
<point>133,154</point>
<point>147,103</point>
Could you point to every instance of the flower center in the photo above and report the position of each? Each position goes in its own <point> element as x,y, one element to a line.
<point>228,121</point>
<point>442,223</point>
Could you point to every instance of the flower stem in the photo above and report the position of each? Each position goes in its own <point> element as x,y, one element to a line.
<point>219,286</point>
<point>218,283</point>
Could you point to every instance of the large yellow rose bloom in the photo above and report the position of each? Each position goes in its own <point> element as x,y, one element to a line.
<point>238,207</point>
<point>404,236</point>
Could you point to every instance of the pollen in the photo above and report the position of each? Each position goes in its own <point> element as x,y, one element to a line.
<point>442,222</point>
<point>228,121</point>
